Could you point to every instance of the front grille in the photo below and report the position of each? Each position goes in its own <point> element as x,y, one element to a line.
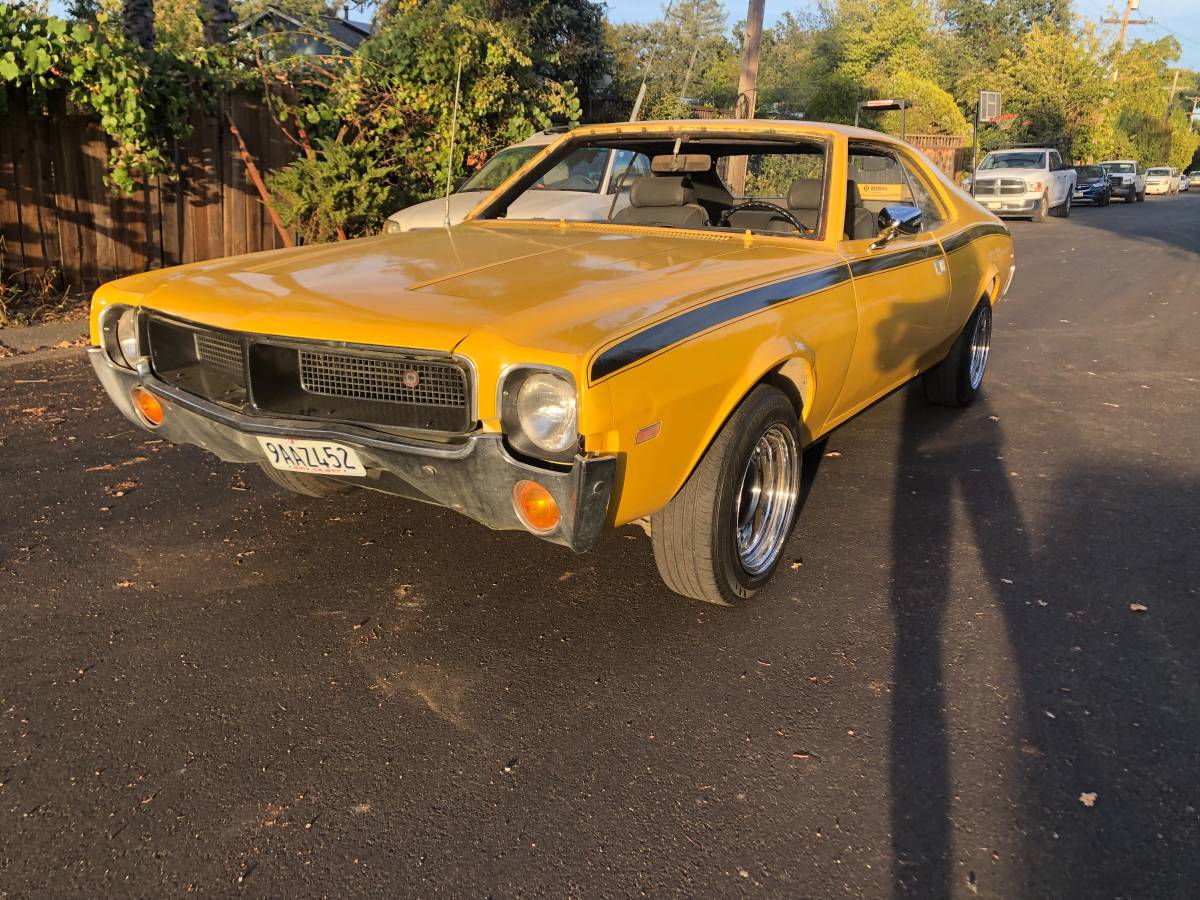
<point>385,380</point>
<point>999,187</point>
<point>276,376</point>
<point>220,352</point>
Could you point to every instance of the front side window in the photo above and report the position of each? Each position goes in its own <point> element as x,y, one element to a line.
<point>923,196</point>
<point>627,166</point>
<point>1055,161</point>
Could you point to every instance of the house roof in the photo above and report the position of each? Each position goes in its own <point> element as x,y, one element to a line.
<point>343,32</point>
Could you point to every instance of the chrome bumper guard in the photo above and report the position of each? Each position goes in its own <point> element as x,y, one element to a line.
<point>475,477</point>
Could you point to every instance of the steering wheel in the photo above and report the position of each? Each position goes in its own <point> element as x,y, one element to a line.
<point>764,206</point>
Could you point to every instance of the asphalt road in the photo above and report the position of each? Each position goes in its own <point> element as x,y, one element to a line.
<point>209,686</point>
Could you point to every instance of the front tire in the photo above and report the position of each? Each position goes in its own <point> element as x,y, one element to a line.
<point>720,538</point>
<point>308,485</point>
<point>956,380</point>
<point>1141,197</point>
<point>1063,210</point>
<point>1043,209</point>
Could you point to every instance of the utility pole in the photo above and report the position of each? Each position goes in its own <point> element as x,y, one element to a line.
<point>1171,96</point>
<point>747,96</point>
<point>1125,22</point>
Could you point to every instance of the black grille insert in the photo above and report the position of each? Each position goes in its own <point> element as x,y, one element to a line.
<point>385,380</point>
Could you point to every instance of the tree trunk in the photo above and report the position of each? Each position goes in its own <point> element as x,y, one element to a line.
<point>138,16</point>
<point>218,20</point>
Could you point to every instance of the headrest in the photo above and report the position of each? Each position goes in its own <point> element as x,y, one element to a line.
<point>805,193</point>
<point>853,194</point>
<point>662,191</point>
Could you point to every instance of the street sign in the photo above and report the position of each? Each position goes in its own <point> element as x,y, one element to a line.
<point>989,105</point>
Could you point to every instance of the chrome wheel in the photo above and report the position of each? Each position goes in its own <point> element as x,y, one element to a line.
<point>766,499</point>
<point>981,345</point>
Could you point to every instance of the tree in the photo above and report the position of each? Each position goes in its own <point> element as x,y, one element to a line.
<point>1056,84</point>
<point>565,40</point>
<point>138,21</point>
<point>377,124</point>
<point>218,19</point>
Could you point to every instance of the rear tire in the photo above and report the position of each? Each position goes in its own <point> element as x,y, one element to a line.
<point>308,485</point>
<point>956,380</point>
<point>720,538</point>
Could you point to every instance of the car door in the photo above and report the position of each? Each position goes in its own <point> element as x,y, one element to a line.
<point>901,289</point>
<point>1060,178</point>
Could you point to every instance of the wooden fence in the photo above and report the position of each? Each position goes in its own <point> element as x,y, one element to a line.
<point>56,214</point>
<point>946,151</point>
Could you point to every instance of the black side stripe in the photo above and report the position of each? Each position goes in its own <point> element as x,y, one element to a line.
<point>658,337</point>
<point>869,265</point>
<point>973,233</point>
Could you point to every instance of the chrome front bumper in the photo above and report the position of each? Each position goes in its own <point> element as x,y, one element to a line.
<point>475,476</point>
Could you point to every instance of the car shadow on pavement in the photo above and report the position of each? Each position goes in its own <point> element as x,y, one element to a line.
<point>1108,692</point>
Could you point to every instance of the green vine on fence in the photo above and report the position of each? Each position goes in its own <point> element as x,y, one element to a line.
<point>139,98</point>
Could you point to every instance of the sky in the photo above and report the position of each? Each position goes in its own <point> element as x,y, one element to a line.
<point>1182,17</point>
<point>1178,17</point>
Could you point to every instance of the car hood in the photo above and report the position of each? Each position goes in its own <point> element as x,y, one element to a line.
<point>558,289</point>
<point>530,205</point>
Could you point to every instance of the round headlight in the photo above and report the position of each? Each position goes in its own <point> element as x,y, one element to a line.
<point>547,411</point>
<point>127,336</point>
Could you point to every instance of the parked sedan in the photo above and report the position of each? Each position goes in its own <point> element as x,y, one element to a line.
<point>1092,185</point>
<point>664,364</point>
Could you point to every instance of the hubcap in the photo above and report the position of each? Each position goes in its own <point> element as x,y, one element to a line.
<point>981,344</point>
<point>766,500</point>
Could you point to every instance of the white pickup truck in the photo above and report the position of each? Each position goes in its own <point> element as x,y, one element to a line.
<point>1028,182</point>
<point>1128,179</point>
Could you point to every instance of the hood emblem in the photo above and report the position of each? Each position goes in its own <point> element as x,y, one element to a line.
<point>410,378</point>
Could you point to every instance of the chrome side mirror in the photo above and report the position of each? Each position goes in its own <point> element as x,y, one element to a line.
<point>896,220</point>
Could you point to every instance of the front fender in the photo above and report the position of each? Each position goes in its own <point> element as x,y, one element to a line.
<point>690,391</point>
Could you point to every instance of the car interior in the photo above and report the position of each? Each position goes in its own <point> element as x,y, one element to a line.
<point>687,186</point>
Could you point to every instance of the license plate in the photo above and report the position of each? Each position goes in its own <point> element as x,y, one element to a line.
<point>994,204</point>
<point>314,457</point>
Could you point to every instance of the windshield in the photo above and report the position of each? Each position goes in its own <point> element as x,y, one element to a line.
<point>1027,159</point>
<point>1125,168</point>
<point>1159,172</point>
<point>1089,171</point>
<point>680,180</point>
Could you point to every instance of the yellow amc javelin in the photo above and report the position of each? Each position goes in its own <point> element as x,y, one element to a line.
<point>752,286</point>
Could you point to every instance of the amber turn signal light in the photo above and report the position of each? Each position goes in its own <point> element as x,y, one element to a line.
<point>535,507</point>
<point>148,406</point>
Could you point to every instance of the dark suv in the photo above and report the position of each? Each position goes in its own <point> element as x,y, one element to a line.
<point>1092,185</point>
